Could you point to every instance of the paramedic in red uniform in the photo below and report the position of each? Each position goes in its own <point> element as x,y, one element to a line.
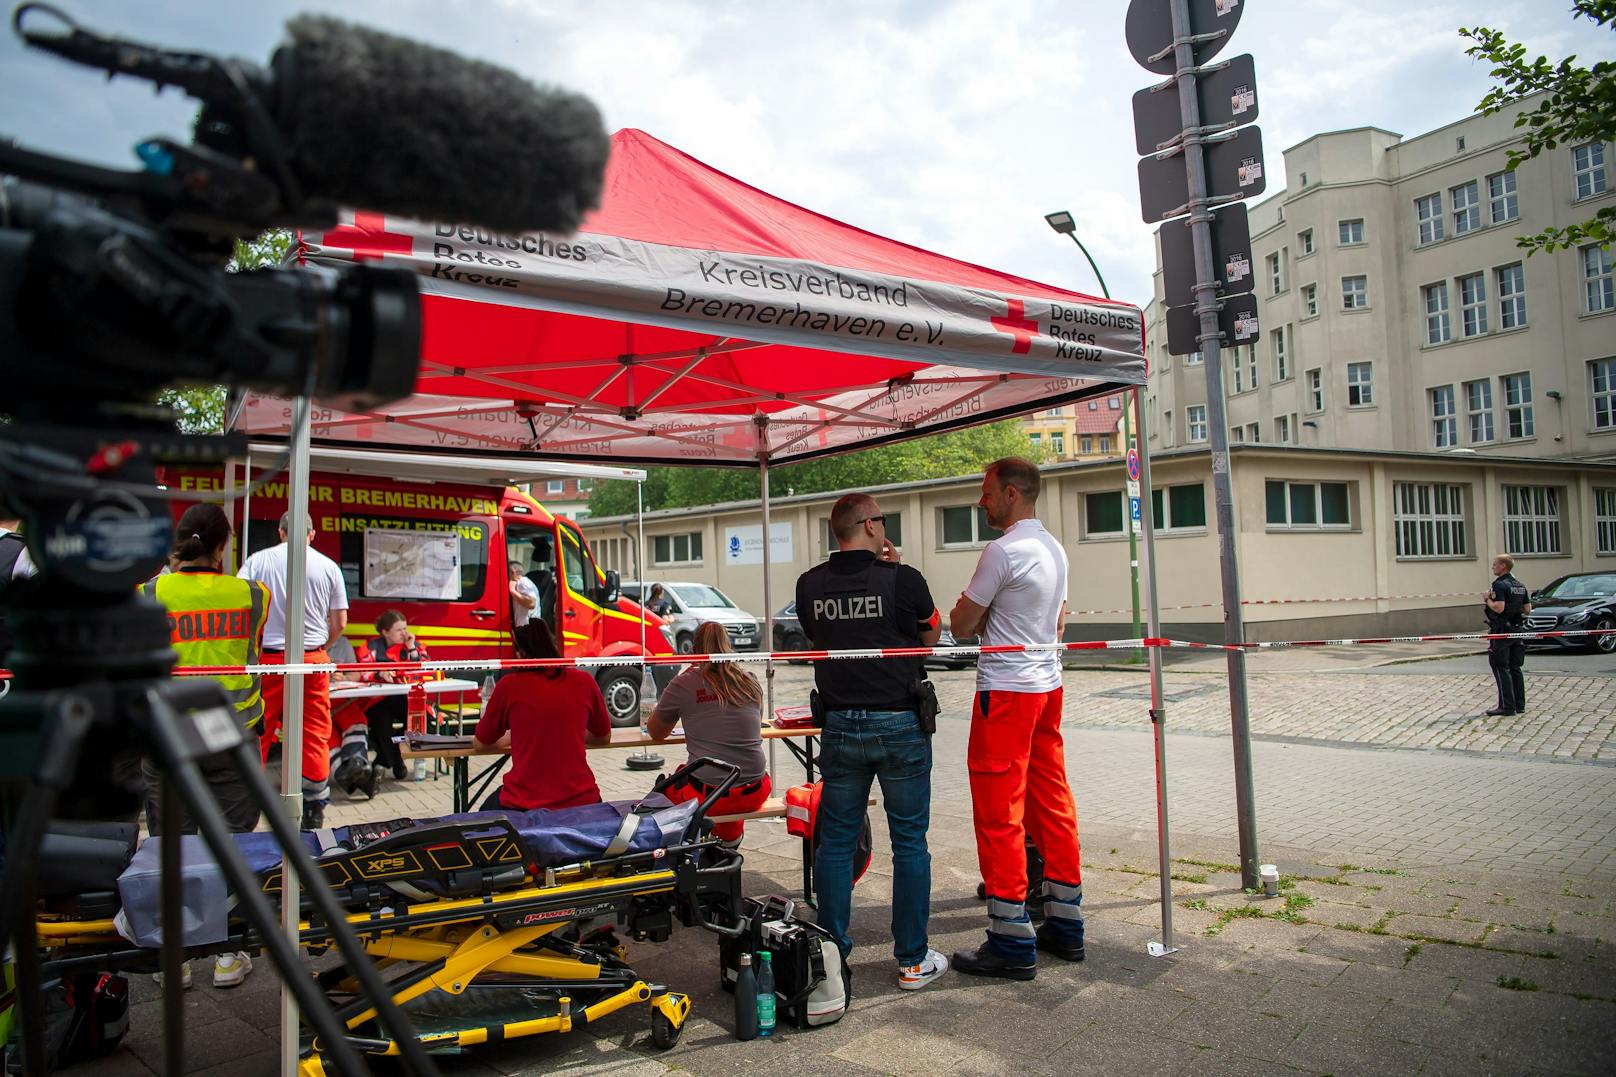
<point>721,705</point>
<point>1015,756</point>
<point>325,615</point>
<point>546,717</point>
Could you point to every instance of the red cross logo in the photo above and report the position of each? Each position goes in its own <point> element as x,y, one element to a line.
<point>368,237</point>
<point>1018,325</point>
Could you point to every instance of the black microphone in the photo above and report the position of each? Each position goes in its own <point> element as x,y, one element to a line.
<point>349,115</point>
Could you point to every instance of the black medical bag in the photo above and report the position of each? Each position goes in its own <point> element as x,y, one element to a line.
<point>810,984</point>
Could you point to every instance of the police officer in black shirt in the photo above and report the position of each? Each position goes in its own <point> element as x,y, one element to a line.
<point>864,598</point>
<point>1506,604</point>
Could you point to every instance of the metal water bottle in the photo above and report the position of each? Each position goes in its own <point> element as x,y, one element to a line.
<point>765,995</point>
<point>746,1000</point>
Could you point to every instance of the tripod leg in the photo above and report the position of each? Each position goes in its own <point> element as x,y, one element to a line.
<point>173,978</point>
<point>17,900</point>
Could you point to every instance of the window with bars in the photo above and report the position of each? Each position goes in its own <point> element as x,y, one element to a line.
<point>1310,299</point>
<point>1473,304</point>
<point>1315,390</point>
<point>1518,405</point>
<point>1511,296</point>
<point>1360,384</point>
<point>1428,212</point>
<point>1438,322</point>
<point>1428,520</point>
<point>1479,410</point>
<point>1588,169</point>
<point>1354,293</point>
<point>1602,378</point>
<point>1350,233</point>
<point>1502,202</point>
<point>1605,520</point>
<point>1196,416</point>
<point>1532,520</point>
<point>1444,423</point>
<point>1308,505</point>
<point>1466,200</point>
<point>1596,280</point>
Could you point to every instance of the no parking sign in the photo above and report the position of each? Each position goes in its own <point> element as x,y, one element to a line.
<point>1133,465</point>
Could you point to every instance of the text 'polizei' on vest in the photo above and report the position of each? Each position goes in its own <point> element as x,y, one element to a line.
<point>848,608</point>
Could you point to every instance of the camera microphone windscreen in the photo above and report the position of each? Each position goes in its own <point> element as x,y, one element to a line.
<point>382,123</point>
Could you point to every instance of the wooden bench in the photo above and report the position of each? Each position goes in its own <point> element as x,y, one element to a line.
<point>773,808</point>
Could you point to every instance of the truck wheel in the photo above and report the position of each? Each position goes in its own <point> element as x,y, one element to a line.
<point>686,642</point>
<point>621,687</point>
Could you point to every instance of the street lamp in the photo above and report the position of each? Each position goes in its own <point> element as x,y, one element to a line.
<point>1061,221</point>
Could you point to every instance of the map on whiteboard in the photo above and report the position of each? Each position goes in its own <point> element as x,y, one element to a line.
<point>412,564</point>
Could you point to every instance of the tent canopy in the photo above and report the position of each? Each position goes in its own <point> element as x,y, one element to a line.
<point>696,319</point>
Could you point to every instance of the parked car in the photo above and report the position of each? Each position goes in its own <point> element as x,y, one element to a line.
<point>788,633</point>
<point>1583,600</point>
<point>958,661</point>
<point>692,603</point>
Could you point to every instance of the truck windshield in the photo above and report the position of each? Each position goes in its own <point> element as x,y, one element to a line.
<point>701,597</point>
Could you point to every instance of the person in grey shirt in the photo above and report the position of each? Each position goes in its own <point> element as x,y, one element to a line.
<point>720,704</point>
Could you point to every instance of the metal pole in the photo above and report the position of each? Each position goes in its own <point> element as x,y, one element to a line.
<point>297,558</point>
<point>768,594</point>
<point>1103,289</point>
<point>1158,709</point>
<point>230,563</point>
<point>1206,307</point>
<point>643,759</point>
<point>246,511</point>
<point>1135,656</point>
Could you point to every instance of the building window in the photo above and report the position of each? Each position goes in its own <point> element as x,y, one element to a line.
<point>1438,323</point>
<point>1428,519</point>
<point>1444,423</point>
<point>586,485</point>
<point>1501,199</point>
<point>1253,433</point>
<point>1466,207</point>
<point>1304,240</point>
<point>1103,513</point>
<point>1511,296</point>
<point>967,525</point>
<point>682,549</point>
<point>1167,427</point>
<point>1304,179</point>
<point>1588,167</point>
<point>1056,413</point>
<point>1360,384</point>
<point>1115,403</point>
<point>1479,410</point>
<point>1459,144</point>
<point>1315,390</point>
<point>1057,442</point>
<point>1603,373</point>
<point>1518,405</point>
<point>1429,212</point>
<point>1310,299</point>
<point>1532,519</point>
<point>1282,429</point>
<point>1037,439</point>
<point>1604,520</point>
<point>1105,443</point>
<point>1237,370</point>
<point>1196,414</point>
<point>1237,435</point>
<point>1276,274</point>
<point>1308,505</point>
<point>1194,358</point>
<point>1184,507</point>
<point>1354,293</point>
<point>1094,405</point>
<point>1350,233</point>
<point>1473,304</point>
<point>1596,280</point>
<point>1282,366</point>
<point>1086,445</point>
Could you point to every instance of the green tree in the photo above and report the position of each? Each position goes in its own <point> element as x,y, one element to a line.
<point>959,452</point>
<point>200,409</point>
<point>1578,105</point>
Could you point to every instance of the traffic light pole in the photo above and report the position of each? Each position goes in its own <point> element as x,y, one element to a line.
<point>1206,309</point>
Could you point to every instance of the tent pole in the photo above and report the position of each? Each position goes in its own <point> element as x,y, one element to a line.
<point>767,641</point>
<point>230,563</point>
<point>297,557</point>
<point>644,760</point>
<point>246,511</point>
<point>1158,712</point>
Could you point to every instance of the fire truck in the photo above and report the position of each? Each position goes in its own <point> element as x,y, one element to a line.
<point>433,538</point>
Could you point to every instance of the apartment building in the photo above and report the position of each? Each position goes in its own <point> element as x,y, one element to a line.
<point>564,496</point>
<point>1088,428</point>
<point>1397,312</point>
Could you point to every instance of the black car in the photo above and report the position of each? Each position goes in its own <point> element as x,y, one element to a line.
<point>964,661</point>
<point>1584,600</point>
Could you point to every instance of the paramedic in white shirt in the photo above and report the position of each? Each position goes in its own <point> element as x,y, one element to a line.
<point>1016,758</point>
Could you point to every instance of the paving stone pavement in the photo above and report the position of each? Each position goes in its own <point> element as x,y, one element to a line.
<point>1444,911</point>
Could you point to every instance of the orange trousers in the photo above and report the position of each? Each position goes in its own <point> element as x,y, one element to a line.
<point>316,719</point>
<point>747,798</point>
<point>1017,763</point>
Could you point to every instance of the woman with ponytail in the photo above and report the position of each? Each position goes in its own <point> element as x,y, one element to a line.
<point>721,705</point>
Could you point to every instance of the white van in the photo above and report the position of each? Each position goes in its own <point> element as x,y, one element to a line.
<point>691,604</point>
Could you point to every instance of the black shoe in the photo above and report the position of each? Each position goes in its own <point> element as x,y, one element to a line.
<point>313,815</point>
<point>350,775</point>
<point>373,781</point>
<point>400,771</point>
<point>1049,944</point>
<point>1500,712</point>
<point>982,961</point>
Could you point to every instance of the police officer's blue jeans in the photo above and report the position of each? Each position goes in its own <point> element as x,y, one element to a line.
<point>858,748</point>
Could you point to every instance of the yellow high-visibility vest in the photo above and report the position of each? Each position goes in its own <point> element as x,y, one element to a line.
<point>217,620</point>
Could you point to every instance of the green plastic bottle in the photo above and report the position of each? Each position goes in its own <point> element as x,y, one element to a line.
<point>765,990</point>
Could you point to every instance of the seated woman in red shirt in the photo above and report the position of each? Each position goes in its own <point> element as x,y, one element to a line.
<point>546,716</point>
<point>720,704</point>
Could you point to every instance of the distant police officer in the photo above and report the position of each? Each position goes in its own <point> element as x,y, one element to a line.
<point>863,598</point>
<point>1506,604</point>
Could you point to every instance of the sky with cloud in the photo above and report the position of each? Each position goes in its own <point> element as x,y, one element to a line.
<point>953,126</point>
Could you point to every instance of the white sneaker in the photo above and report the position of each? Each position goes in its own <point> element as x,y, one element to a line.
<point>229,970</point>
<point>185,976</point>
<point>914,977</point>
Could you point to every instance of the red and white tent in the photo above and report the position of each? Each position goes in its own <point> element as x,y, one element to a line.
<point>697,319</point>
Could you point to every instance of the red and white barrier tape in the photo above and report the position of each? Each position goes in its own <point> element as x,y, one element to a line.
<point>1288,602</point>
